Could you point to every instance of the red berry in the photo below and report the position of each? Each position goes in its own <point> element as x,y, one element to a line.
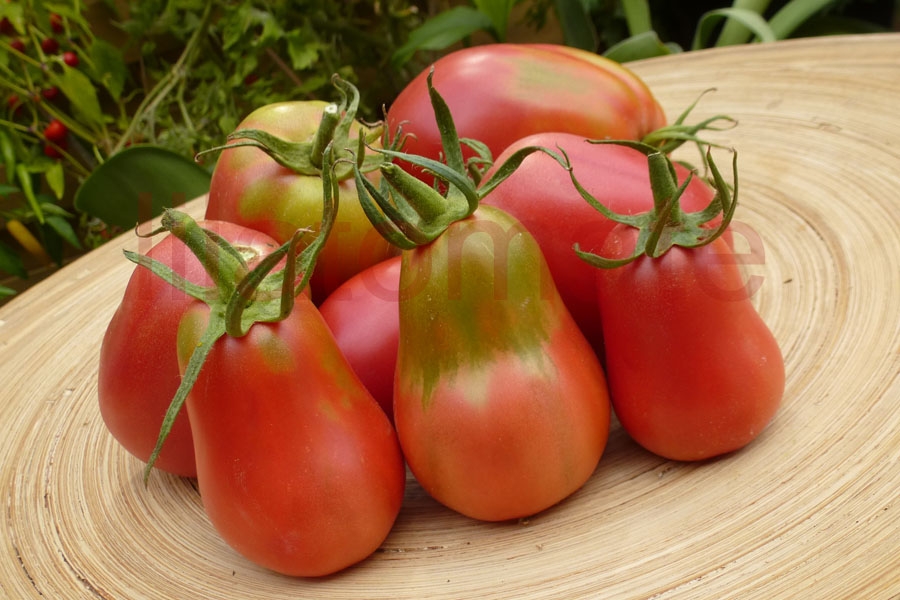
<point>251,79</point>
<point>49,45</point>
<point>50,93</point>
<point>55,131</point>
<point>70,58</point>
<point>17,45</point>
<point>12,100</point>
<point>56,23</point>
<point>51,152</point>
<point>6,27</point>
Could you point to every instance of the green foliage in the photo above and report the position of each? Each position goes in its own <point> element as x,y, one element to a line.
<point>174,75</point>
<point>627,30</point>
<point>624,37</point>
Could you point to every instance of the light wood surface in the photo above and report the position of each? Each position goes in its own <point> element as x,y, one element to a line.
<point>810,510</point>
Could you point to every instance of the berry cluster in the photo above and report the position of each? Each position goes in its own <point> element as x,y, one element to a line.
<point>46,49</point>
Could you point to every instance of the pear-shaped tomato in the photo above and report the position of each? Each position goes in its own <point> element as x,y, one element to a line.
<point>500,403</point>
<point>138,370</point>
<point>299,469</point>
<point>694,372</point>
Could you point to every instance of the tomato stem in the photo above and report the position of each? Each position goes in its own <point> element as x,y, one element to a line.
<point>408,212</point>
<point>324,134</point>
<point>306,157</point>
<point>666,224</point>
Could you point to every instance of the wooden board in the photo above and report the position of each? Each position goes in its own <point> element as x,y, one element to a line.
<point>810,510</point>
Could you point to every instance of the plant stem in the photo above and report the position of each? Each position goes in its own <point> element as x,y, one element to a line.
<point>165,85</point>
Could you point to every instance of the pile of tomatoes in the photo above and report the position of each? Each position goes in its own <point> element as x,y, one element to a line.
<point>467,290</point>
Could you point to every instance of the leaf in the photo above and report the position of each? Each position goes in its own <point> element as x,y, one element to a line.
<point>109,67</point>
<point>793,14</point>
<point>137,183</point>
<point>640,46</point>
<point>24,176</point>
<point>8,155</point>
<point>733,32</point>
<point>52,243</point>
<point>50,208</point>
<point>77,87</point>
<point>56,179</point>
<point>747,18</point>
<point>637,16</point>
<point>498,12</point>
<point>442,31</point>
<point>11,262</point>
<point>303,53</point>
<point>15,12</point>
<point>575,22</point>
<point>6,292</point>
<point>64,229</point>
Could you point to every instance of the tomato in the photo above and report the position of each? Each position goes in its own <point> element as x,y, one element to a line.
<point>499,93</point>
<point>250,188</point>
<point>364,317</point>
<point>541,195</point>
<point>138,370</point>
<point>299,469</point>
<point>694,372</point>
<point>500,404</point>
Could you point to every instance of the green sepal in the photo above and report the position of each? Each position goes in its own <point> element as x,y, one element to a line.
<point>666,224</point>
<point>165,272</point>
<point>669,138</point>
<point>307,157</point>
<point>215,329</point>
<point>408,212</point>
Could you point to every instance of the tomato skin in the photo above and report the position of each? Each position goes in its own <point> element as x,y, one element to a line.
<point>693,370</point>
<point>500,404</point>
<point>251,189</point>
<point>299,470</point>
<point>364,317</point>
<point>523,89</point>
<point>138,372</point>
<point>540,194</point>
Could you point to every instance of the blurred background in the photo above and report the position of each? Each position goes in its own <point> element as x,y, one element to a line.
<point>106,96</point>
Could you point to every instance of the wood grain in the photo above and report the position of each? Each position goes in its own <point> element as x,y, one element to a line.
<point>810,510</point>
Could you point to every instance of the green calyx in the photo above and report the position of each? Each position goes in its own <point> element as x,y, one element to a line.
<point>240,296</point>
<point>408,212</point>
<point>666,224</point>
<point>306,157</point>
<point>672,136</point>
